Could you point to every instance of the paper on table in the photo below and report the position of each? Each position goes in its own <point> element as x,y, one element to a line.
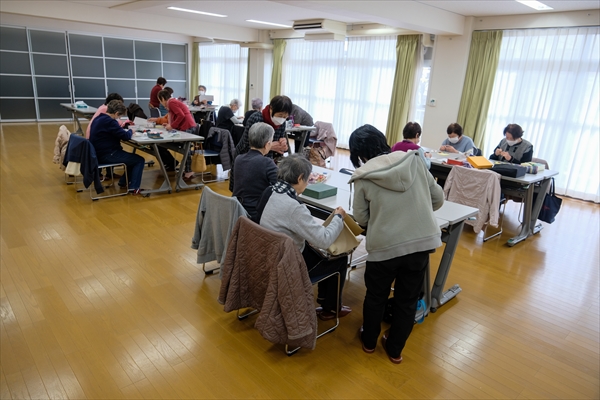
<point>141,122</point>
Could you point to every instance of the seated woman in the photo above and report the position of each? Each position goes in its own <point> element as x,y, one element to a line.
<point>106,135</point>
<point>253,171</point>
<point>201,92</point>
<point>398,243</point>
<point>456,142</point>
<point>513,148</point>
<point>280,210</point>
<point>102,110</point>
<point>275,115</point>
<point>226,118</point>
<point>257,104</point>
<point>412,138</point>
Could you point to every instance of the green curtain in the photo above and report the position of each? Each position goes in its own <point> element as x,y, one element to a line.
<point>278,51</point>
<point>195,74</point>
<point>479,82</point>
<point>407,51</point>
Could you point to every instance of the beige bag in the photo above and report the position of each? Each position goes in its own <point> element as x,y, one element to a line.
<point>73,168</point>
<point>346,242</point>
<point>198,160</point>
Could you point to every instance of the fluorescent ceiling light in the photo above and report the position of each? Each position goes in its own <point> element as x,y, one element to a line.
<point>196,12</point>
<point>268,23</point>
<point>536,5</point>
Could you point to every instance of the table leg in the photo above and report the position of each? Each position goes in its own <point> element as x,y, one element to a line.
<point>79,130</point>
<point>180,183</point>
<point>527,213</point>
<point>438,297</point>
<point>166,185</point>
<point>537,207</point>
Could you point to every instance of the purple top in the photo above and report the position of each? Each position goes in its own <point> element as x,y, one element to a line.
<point>405,146</point>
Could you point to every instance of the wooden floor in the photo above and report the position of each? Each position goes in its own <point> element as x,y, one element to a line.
<point>105,300</point>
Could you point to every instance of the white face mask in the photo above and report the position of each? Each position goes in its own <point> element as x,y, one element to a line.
<point>201,92</point>
<point>511,142</point>
<point>278,120</point>
<point>453,140</point>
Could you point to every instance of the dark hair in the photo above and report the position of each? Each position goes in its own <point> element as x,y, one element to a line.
<point>290,168</point>
<point>515,131</point>
<point>367,142</point>
<point>454,128</point>
<point>161,81</point>
<point>116,107</point>
<point>112,96</point>
<point>168,89</point>
<point>202,87</point>
<point>411,130</point>
<point>281,104</point>
<point>164,95</point>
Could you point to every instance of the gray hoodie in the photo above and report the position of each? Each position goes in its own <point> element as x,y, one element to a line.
<point>394,198</point>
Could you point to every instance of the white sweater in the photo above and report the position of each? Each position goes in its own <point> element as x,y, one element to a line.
<point>286,215</point>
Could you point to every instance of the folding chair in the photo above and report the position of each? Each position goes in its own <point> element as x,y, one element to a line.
<point>216,217</point>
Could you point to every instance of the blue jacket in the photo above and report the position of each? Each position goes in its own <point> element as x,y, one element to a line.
<point>106,135</point>
<point>80,150</point>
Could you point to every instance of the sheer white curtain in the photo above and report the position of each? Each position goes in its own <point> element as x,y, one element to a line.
<point>548,82</point>
<point>347,83</point>
<point>224,70</point>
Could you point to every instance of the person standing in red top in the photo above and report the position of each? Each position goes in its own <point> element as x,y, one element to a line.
<point>154,102</point>
<point>181,119</point>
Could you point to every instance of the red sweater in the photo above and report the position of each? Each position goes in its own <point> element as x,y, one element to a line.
<point>405,146</point>
<point>154,96</point>
<point>179,115</point>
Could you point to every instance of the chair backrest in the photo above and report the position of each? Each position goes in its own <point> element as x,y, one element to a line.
<point>540,161</point>
<point>265,270</point>
<point>154,113</point>
<point>217,215</point>
<point>134,110</point>
<point>475,188</point>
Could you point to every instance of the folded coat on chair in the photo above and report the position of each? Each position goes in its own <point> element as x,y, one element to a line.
<point>475,188</point>
<point>80,150</point>
<point>264,270</point>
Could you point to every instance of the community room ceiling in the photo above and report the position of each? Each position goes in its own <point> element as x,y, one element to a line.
<point>443,17</point>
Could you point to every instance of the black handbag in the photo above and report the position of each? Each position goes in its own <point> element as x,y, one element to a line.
<point>510,170</point>
<point>550,207</point>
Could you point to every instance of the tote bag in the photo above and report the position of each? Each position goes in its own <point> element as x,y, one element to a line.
<point>550,207</point>
<point>198,160</point>
<point>346,242</point>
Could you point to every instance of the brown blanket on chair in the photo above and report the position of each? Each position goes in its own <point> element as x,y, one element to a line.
<point>264,270</point>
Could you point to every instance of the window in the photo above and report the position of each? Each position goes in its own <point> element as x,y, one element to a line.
<point>547,81</point>
<point>347,83</point>
<point>224,70</point>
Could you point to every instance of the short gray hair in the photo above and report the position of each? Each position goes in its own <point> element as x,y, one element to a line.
<point>260,134</point>
<point>116,107</point>
<point>234,102</point>
<point>291,167</point>
<point>257,103</point>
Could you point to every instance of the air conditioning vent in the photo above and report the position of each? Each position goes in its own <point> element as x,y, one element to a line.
<point>320,26</point>
<point>307,26</point>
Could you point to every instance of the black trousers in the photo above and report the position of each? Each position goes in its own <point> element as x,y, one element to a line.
<point>409,273</point>
<point>318,266</point>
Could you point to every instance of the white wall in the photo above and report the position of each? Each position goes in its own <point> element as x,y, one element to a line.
<point>448,68</point>
<point>451,55</point>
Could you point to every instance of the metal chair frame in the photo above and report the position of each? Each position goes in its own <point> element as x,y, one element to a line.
<point>112,181</point>
<point>329,330</point>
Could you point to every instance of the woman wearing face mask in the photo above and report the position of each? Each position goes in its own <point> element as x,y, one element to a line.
<point>201,92</point>
<point>513,148</point>
<point>456,142</point>
<point>412,137</point>
<point>275,115</point>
